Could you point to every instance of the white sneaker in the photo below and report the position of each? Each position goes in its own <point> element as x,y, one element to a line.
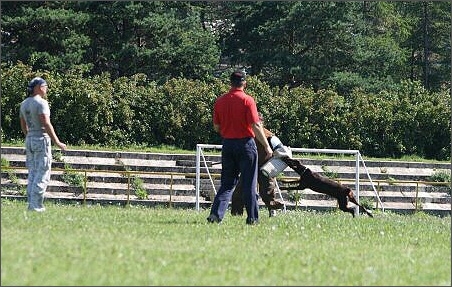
<point>272,213</point>
<point>42,209</point>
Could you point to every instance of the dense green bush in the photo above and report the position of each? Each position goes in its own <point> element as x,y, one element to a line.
<point>403,120</point>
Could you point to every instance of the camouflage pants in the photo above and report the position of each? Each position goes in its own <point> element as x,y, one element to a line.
<point>38,162</point>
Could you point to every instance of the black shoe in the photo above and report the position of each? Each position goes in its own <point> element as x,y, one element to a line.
<point>213,219</point>
<point>252,222</point>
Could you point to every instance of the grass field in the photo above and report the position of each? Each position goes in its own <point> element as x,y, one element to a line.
<point>109,245</point>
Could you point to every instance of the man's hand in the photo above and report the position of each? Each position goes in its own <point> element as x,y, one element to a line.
<point>62,145</point>
<point>268,153</point>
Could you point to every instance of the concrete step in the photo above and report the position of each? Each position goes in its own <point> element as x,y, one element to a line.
<point>164,186</point>
<point>113,177</point>
<point>120,191</point>
<point>166,175</point>
<point>109,188</point>
<point>86,159</point>
<point>170,166</point>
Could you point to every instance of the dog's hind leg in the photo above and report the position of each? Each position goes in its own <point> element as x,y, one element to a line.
<point>352,199</point>
<point>343,202</point>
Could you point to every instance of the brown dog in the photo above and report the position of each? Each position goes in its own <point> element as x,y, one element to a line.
<point>321,184</point>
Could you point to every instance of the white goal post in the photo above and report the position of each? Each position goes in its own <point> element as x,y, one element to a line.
<point>200,157</point>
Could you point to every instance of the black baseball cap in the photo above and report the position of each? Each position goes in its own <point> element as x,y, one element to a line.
<point>37,81</point>
<point>238,77</point>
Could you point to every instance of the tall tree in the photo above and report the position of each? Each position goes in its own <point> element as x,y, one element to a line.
<point>46,35</point>
<point>429,43</point>
<point>160,39</point>
<point>351,44</point>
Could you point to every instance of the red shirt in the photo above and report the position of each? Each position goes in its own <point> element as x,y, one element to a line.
<point>235,112</point>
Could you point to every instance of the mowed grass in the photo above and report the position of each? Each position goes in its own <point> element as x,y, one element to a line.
<point>111,245</point>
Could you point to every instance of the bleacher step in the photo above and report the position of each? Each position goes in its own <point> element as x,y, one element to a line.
<point>163,174</point>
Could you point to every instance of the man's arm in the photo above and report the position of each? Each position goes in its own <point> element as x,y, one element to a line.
<point>45,121</point>
<point>216,128</point>
<point>260,136</point>
<point>23,125</point>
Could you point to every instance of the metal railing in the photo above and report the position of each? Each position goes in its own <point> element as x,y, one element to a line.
<point>379,182</point>
<point>128,174</point>
<point>171,175</point>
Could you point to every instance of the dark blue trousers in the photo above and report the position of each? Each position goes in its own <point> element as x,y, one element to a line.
<point>238,157</point>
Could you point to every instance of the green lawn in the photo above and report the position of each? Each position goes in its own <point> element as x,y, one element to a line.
<point>111,245</point>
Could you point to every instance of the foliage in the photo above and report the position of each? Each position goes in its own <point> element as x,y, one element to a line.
<point>372,76</point>
<point>138,187</point>
<point>72,177</point>
<point>5,162</point>
<point>405,120</point>
<point>162,40</point>
<point>12,176</point>
<point>314,44</point>
<point>63,46</point>
<point>13,87</point>
<point>185,114</point>
<point>57,155</point>
<point>441,176</point>
<point>329,173</point>
<point>367,203</point>
<point>295,196</point>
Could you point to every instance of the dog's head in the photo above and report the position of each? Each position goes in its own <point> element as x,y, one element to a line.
<point>295,164</point>
<point>302,171</point>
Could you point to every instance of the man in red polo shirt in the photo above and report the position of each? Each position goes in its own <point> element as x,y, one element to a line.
<point>236,118</point>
